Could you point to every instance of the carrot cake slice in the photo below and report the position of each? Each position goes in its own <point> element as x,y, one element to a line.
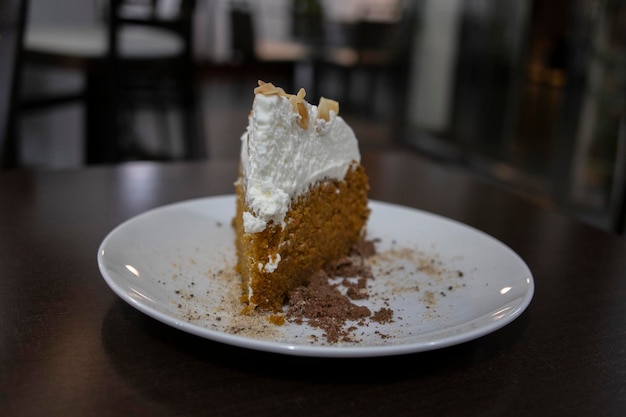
<point>301,194</point>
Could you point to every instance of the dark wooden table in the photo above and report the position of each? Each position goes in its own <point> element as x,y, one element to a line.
<point>70,347</point>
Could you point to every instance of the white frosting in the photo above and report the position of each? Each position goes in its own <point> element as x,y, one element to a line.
<point>272,263</point>
<point>280,160</point>
<point>252,224</point>
<point>270,266</point>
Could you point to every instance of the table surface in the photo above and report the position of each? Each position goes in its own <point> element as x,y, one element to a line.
<point>69,346</point>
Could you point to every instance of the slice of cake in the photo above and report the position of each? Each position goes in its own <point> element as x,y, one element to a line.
<point>301,194</point>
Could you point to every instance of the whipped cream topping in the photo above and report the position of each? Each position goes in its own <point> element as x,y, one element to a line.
<point>280,159</point>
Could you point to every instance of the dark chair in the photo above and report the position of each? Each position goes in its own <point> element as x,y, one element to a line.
<point>168,80</point>
<point>137,59</point>
<point>254,58</point>
<point>12,22</point>
<point>242,35</point>
<point>371,49</point>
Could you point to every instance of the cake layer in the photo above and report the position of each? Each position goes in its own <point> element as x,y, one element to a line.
<point>320,226</point>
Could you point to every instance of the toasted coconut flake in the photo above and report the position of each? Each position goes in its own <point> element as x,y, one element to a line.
<point>303,122</point>
<point>298,104</point>
<point>325,106</point>
<point>269,89</point>
<point>297,101</point>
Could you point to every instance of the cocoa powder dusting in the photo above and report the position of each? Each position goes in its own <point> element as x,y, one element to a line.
<point>384,315</point>
<point>323,305</point>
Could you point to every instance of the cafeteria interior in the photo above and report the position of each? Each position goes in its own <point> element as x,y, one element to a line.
<point>528,95</point>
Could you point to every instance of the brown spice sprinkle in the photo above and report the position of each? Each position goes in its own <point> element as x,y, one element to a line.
<point>324,306</point>
<point>384,315</point>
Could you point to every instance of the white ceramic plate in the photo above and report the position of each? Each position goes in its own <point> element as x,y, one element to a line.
<point>445,282</point>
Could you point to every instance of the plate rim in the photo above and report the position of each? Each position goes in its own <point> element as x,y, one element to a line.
<point>307,350</point>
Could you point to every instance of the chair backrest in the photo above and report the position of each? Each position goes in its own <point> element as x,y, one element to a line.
<point>12,22</point>
<point>242,34</point>
<point>128,77</point>
<point>151,13</point>
<point>394,36</point>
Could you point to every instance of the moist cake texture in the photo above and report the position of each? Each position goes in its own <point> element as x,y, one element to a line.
<point>301,194</point>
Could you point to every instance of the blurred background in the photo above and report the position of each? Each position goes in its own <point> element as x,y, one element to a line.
<point>529,94</point>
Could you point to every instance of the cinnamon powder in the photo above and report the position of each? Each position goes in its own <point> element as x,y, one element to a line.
<point>323,305</point>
